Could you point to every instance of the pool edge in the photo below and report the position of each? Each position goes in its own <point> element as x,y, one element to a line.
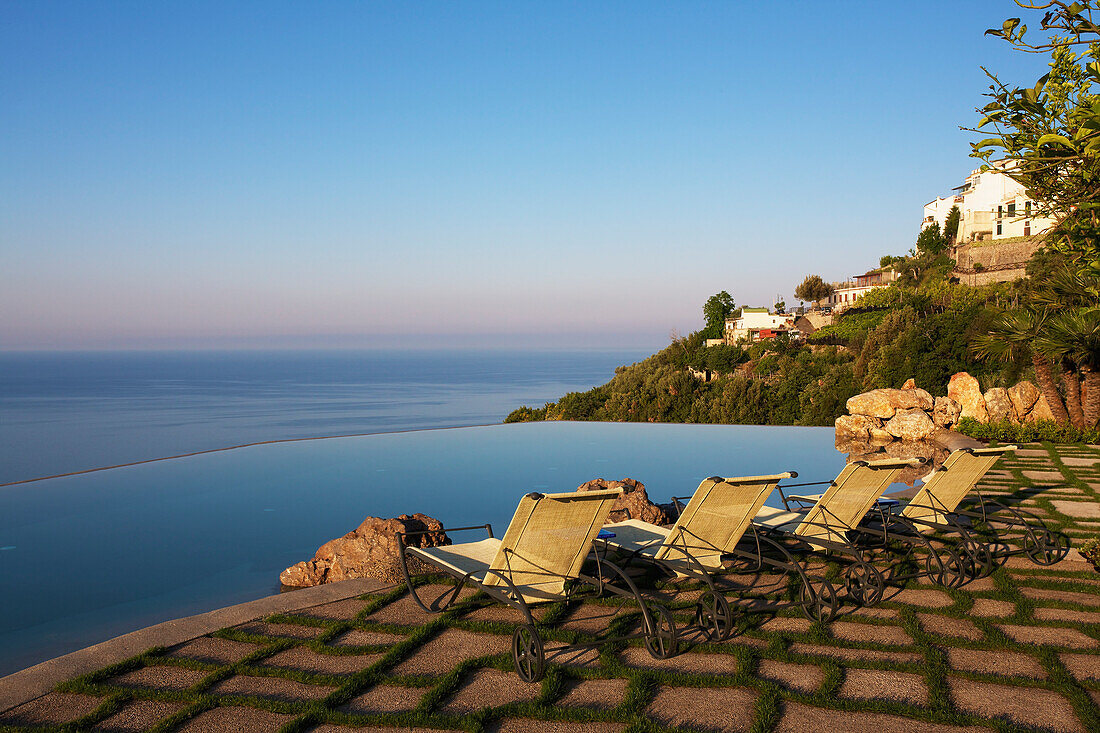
<point>33,682</point>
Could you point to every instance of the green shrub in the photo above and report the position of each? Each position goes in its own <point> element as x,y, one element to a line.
<point>1090,550</point>
<point>1005,431</point>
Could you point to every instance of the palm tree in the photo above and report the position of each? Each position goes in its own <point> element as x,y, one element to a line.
<point>1074,338</point>
<point>1011,338</point>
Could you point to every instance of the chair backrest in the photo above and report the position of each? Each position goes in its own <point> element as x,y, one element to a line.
<point>548,539</point>
<point>850,497</point>
<point>717,516</point>
<point>942,493</point>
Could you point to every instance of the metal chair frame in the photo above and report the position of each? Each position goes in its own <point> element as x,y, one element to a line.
<point>528,655</point>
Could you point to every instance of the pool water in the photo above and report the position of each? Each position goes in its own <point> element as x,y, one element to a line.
<point>85,558</point>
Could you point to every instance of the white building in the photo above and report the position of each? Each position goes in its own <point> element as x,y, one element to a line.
<point>757,323</point>
<point>992,206</point>
<point>846,293</point>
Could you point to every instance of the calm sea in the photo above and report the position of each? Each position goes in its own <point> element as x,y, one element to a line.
<point>62,412</point>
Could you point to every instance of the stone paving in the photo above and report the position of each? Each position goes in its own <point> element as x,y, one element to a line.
<point>1019,650</point>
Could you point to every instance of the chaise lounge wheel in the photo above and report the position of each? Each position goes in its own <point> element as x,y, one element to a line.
<point>818,604</point>
<point>661,639</point>
<point>949,568</point>
<point>864,583</point>
<point>714,616</point>
<point>527,653</point>
<point>980,558</point>
<point>1045,547</point>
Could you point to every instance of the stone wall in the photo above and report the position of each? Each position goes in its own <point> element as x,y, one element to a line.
<point>981,264</point>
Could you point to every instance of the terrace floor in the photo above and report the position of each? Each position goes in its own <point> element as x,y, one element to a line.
<point>1019,650</point>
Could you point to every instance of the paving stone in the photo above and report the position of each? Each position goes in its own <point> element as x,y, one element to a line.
<point>567,656</point>
<point>708,708</point>
<point>879,684</point>
<point>958,628</point>
<point>786,625</point>
<point>925,598</point>
<point>1036,708</point>
<point>689,662</point>
<point>1065,614</point>
<point>602,694</point>
<point>1048,636</point>
<point>159,678</point>
<point>591,618</point>
<point>1000,662</point>
<point>304,659</point>
<point>1045,477</point>
<point>1032,453</point>
<point>799,718</point>
<point>990,608</point>
<point>870,633</point>
<point>875,612</point>
<point>385,699</point>
<point>524,725</point>
<point>1080,462</point>
<point>1082,666</point>
<point>53,708</point>
<point>501,614</point>
<point>286,631</point>
<point>449,649</point>
<point>213,650</point>
<point>345,610</point>
<point>805,678</point>
<point>845,653</point>
<point>981,585</point>
<point>1089,509</point>
<point>236,720</point>
<point>405,612</point>
<point>328,728</point>
<point>358,637</point>
<point>139,715</point>
<point>272,688</point>
<point>490,688</point>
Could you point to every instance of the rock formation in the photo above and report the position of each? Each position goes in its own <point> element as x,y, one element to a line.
<point>946,412</point>
<point>633,504</point>
<point>911,424</point>
<point>965,390</point>
<point>371,551</point>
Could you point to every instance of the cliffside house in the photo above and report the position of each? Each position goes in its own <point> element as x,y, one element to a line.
<point>846,293</point>
<point>758,323</point>
<point>991,205</point>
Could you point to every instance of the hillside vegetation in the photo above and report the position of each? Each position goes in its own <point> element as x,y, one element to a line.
<point>920,327</point>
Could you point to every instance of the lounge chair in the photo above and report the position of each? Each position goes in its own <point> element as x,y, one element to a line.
<point>706,534</point>
<point>833,523</point>
<point>541,559</point>
<point>986,529</point>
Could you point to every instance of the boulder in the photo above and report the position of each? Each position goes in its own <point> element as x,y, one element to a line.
<point>880,435</point>
<point>997,404</point>
<point>909,384</point>
<point>965,390</point>
<point>1023,396</point>
<point>634,503</point>
<point>911,424</point>
<point>946,412</point>
<point>371,551</point>
<point>856,426</point>
<point>1040,411</point>
<point>883,403</point>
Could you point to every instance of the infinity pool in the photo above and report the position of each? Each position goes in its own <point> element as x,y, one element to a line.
<point>88,557</point>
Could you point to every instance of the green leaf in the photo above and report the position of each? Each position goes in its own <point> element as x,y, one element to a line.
<point>1053,138</point>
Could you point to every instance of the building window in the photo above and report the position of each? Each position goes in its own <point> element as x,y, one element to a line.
<point>998,227</point>
<point>1012,209</point>
<point>1027,208</point>
<point>1027,228</point>
<point>1000,212</point>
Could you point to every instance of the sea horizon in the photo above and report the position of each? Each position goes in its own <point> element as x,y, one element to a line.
<point>72,411</point>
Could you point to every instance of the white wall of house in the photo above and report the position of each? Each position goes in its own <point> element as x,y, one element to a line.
<point>751,322</point>
<point>984,202</point>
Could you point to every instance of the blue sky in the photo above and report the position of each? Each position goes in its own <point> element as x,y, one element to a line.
<point>347,174</point>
